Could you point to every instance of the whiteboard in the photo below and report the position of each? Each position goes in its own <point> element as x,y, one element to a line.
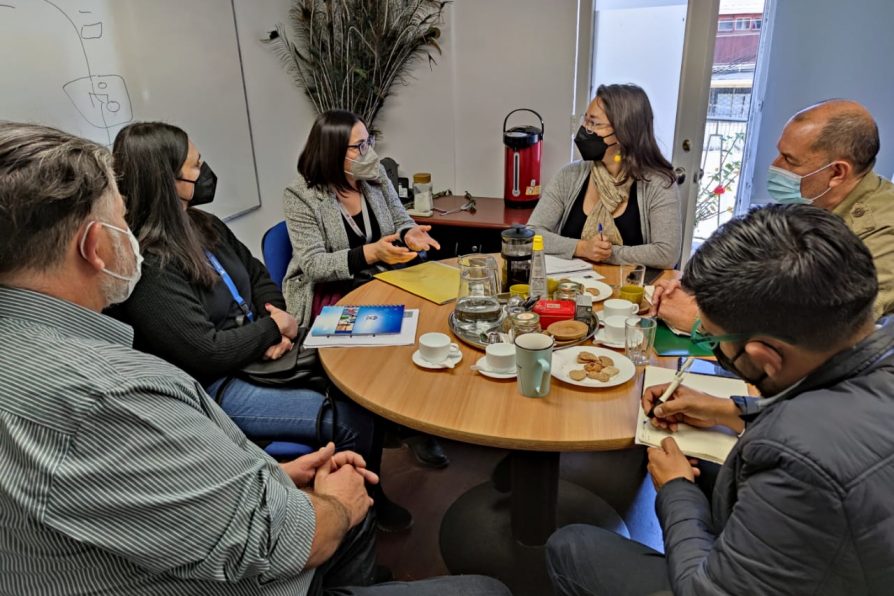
<point>90,67</point>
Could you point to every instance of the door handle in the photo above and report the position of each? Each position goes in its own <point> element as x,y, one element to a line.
<point>680,174</point>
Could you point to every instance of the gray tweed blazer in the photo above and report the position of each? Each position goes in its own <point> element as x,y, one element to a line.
<point>319,240</point>
<point>659,211</point>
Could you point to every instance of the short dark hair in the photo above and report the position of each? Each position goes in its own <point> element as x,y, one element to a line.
<point>148,159</point>
<point>850,136</point>
<point>630,113</point>
<point>322,161</point>
<point>794,272</point>
<point>50,183</point>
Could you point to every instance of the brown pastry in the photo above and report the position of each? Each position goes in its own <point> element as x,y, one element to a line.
<point>600,376</point>
<point>578,375</point>
<point>593,366</point>
<point>610,371</point>
<point>568,330</point>
<point>587,357</point>
<point>606,361</point>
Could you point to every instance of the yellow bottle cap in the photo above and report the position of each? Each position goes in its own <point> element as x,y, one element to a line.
<point>538,242</point>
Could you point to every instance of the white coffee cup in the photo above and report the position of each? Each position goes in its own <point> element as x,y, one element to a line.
<point>436,347</point>
<point>500,357</point>
<point>618,307</point>
<point>615,328</point>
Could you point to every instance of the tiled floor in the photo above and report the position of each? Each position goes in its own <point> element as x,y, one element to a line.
<point>618,477</point>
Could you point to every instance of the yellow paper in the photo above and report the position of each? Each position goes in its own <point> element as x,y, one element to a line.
<point>436,282</point>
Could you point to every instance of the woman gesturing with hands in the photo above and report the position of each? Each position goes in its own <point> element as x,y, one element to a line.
<point>344,217</point>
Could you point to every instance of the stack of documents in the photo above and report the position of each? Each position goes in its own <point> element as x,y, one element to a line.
<point>559,266</point>
<point>711,444</point>
<point>406,337</point>
<point>434,281</point>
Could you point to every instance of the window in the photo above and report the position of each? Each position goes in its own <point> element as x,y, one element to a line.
<point>742,24</point>
<point>725,26</point>
<point>756,24</point>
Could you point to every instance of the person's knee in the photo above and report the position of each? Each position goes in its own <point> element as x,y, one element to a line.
<point>569,546</point>
<point>480,585</point>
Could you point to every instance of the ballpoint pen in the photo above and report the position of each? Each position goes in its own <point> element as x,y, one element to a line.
<point>674,384</point>
<point>601,239</point>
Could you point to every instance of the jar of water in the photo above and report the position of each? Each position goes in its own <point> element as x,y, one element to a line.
<point>477,308</point>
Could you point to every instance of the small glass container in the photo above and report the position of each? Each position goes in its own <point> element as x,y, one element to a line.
<point>567,290</point>
<point>525,322</point>
<point>422,198</point>
<point>584,309</point>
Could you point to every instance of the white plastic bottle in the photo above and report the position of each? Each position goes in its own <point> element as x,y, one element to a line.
<point>537,281</point>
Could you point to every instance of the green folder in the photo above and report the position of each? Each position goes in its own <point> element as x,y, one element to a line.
<point>667,343</point>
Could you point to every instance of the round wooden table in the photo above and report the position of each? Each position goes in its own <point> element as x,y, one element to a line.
<point>488,531</point>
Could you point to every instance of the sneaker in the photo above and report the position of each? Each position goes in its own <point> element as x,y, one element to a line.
<point>428,451</point>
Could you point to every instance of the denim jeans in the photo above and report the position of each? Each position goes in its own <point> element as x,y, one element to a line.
<point>290,414</point>
<point>589,561</point>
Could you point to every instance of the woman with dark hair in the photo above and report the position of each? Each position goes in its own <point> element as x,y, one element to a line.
<point>206,305</point>
<point>346,223</point>
<point>619,204</point>
<point>344,217</point>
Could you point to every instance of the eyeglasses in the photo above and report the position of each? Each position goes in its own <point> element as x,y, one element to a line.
<point>702,338</point>
<point>365,145</point>
<point>590,124</point>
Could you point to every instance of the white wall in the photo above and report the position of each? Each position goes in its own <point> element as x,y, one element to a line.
<point>821,49</point>
<point>498,55</point>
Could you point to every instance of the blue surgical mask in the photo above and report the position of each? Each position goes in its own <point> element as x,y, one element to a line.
<point>785,186</point>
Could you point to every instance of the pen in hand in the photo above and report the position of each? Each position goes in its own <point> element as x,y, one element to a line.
<point>601,239</point>
<point>674,384</point>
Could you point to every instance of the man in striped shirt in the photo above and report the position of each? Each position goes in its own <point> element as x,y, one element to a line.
<point>120,475</point>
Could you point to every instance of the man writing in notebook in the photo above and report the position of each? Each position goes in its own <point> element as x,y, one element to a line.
<point>803,503</point>
<point>826,155</point>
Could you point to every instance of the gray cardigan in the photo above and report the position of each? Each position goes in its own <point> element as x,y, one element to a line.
<point>659,212</point>
<point>319,240</point>
<point>803,503</point>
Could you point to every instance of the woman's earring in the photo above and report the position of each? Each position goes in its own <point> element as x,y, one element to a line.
<point>618,157</point>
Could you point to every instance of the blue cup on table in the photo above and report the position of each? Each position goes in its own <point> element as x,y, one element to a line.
<point>533,358</point>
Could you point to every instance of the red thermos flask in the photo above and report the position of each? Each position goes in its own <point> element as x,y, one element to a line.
<point>521,187</point>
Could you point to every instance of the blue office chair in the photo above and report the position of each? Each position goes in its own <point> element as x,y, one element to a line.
<point>277,250</point>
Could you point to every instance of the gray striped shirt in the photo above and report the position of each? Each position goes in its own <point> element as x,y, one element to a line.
<point>119,475</point>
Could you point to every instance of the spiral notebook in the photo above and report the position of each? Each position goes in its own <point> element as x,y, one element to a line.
<point>711,444</point>
<point>379,319</point>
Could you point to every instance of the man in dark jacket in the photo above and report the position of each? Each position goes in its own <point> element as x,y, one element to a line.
<point>803,503</point>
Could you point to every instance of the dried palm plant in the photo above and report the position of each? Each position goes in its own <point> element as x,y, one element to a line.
<point>349,54</point>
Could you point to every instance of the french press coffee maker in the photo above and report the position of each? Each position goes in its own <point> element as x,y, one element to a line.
<point>516,250</point>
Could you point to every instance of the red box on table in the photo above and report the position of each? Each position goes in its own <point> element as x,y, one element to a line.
<point>551,311</point>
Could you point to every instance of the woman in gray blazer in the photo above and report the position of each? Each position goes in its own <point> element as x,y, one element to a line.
<point>344,217</point>
<point>620,204</point>
<point>346,222</point>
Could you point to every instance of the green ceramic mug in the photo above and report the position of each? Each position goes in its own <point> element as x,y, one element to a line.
<point>533,358</point>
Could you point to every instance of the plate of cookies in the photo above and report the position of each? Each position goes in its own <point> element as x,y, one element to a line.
<point>588,366</point>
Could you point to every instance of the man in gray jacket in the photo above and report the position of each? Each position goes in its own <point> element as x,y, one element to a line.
<point>803,503</point>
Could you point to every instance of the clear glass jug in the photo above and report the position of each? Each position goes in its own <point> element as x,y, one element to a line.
<point>477,306</point>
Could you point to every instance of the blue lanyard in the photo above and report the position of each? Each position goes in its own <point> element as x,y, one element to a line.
<point>228,281</point>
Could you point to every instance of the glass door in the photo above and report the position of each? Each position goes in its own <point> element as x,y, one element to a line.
<point>695,59</point>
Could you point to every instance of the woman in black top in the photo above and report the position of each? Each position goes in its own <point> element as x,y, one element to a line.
<point>185,308</point>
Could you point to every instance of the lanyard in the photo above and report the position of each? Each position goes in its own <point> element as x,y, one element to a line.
<point>228,281</point>
<point>353,224</point>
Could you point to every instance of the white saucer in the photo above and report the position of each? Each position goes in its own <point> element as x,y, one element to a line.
<point>482,363</point>
<point>601,339</point>
<point>414,213</point>
<point>418,360</point>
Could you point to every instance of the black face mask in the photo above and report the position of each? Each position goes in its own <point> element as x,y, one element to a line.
<point>591,146</point>
<point>729,364</point>
<point>204,186</point>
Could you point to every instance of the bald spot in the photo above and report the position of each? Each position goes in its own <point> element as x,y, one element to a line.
<point>841,129</point>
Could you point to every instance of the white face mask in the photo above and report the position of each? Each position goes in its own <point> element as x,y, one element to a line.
<point>365,168</point>
<point>131,279</point>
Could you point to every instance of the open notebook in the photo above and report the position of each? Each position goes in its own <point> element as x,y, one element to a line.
<point>711,444</point>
